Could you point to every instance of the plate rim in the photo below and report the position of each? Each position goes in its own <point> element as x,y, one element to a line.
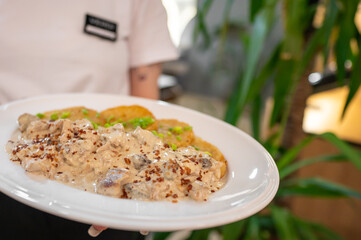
<point>264,199</point>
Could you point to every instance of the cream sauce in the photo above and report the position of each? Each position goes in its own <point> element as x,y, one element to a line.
<point>113,162</point>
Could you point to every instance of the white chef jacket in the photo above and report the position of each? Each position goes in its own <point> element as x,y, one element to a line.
<point>44,49</point>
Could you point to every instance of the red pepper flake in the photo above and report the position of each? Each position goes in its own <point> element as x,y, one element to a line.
<point>185,181</point>
<point>59,173</point>
<point>147,179</point>
<point>212,191</point>
<point>124,195</point>
<point>174,201</point>
<point>127,161</point>
<point>175,196</point>
<point>189,187</point>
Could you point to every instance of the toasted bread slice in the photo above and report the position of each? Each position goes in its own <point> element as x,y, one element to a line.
<point>175,132</point>
<point>132,116</point>
<point>76,113</point>
<point>213,150</point>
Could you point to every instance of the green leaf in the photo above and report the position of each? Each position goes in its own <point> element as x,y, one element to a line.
<point>161,235</point>
<point>284,225</point>
<point>256,117</point>
<point>260,28</point>
<point>355,80</point>
<point>253,229</point>
<point>265,74</point>
<point>309,230</point>
<point>310,51</point>
<point>351,154</point>
<point>292,153</point>
<point>305,231</point>
<point>201,26</point>
<point>225,24</point>
<point>347,31</point>
<point>272,146</point>
<point>284,82</point>
<point>328,25</point>
<point>255,7</point>
<point>232,231</point>
<point>200,234</point>
<point>289,169</point>
<point>314,187</point>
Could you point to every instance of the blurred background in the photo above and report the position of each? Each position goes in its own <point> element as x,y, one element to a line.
<point>287,73</point>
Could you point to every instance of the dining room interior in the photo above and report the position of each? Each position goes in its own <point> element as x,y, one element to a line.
<point>287,73</point>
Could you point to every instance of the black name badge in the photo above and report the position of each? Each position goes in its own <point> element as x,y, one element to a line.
<point>100,28</point>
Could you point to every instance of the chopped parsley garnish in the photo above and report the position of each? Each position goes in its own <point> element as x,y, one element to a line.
<point>85,111</point>
<point>157,134</point>
<point>173,146</point>
<point>178,138</point>
<point>97,115</point>
<point>65,115</point>
<point>142,122</point>
<point>110,118</point>
<point>187,128</point>
<point>177,130</point>
<point>40,115</point>
<point>95,126</point>
<point>116,122</point>
<point>210,154</point>
<point>196,148</point>
<point>54,116</point>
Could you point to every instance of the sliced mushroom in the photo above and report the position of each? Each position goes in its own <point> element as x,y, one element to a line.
<point>140,161</point>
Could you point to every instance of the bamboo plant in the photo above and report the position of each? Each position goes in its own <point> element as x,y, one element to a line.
<point>285,67</point>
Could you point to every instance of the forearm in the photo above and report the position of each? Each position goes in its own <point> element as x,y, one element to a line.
<point>144,81</point>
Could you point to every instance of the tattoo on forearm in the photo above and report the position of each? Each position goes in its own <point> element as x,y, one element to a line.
<point>142,77</point>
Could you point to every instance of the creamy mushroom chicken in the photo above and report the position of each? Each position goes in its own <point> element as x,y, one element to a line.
<point>113,162</point>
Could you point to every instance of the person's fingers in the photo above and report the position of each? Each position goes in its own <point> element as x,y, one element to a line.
<point>95,230</point>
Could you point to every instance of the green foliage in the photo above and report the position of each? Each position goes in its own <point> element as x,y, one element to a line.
<point>285,68</point>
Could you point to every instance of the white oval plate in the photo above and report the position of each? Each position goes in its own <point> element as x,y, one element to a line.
<point>251,182</point>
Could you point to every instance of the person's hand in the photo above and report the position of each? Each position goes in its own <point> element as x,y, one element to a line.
<point>95,230</point>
